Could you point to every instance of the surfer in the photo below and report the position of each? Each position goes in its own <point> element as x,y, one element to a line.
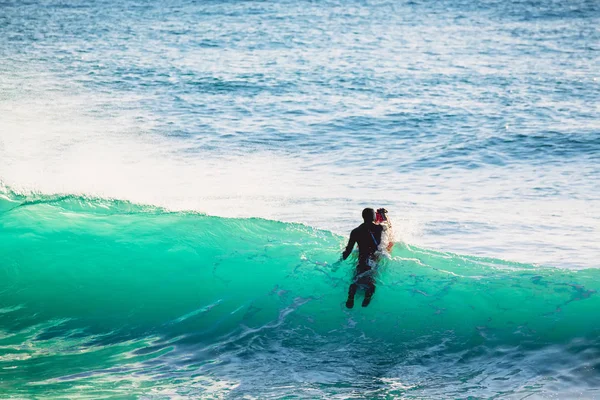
<point>368,236</point>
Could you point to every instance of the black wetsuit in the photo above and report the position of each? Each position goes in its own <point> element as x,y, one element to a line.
<point>368,237</point>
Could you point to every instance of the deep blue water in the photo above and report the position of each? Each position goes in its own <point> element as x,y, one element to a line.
<point>476,123</point>
<point>468,119</point>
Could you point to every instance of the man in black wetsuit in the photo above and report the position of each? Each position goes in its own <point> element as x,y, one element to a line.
<point>368,237</point>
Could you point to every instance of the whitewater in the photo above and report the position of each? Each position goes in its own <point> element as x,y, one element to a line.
<point>178,181</point>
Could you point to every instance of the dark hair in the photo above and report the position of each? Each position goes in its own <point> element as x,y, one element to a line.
<point>368,215</point>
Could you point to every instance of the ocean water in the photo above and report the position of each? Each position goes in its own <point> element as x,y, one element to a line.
<point>178,180</point>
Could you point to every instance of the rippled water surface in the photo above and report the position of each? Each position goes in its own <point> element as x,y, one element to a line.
<point>477,124</point>
<point>468,120</point>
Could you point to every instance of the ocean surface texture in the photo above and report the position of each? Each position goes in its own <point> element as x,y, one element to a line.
<point>178,179</point>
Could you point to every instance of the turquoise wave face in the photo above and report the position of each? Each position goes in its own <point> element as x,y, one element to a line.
<point>105,298</point>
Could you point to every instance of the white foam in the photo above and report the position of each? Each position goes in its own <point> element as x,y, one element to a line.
<point>76,142</point>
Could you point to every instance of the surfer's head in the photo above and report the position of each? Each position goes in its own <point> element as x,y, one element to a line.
<point>368,215</point>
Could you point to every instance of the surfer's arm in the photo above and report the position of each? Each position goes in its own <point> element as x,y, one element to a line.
<point>350,246</point>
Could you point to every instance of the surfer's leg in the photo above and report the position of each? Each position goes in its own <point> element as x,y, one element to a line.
<point>351,293</point>
<point>369,293</point>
